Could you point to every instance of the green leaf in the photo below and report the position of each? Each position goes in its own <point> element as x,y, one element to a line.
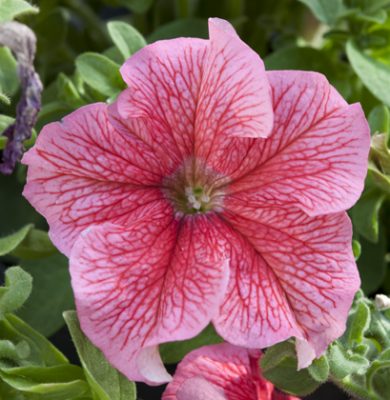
<point>4,98</point>
<point>9,80</point>
<point>379,119</point>
<point>186,27</point>
<point>36,244</point>
<point>357,325</point>
<point>13,352</point>
<point>378,178</point>
<point>100,73</point>
<point>319,369</point>
<point>374,74</point>
<point>67,92</point>
<point>137,6</point>
<point>327,11</point>
<point>42,352</point>
<point>10,9</point>
<point>126,38</point>
<point>172,353</point>
<point>356,249</point>
<point>62,382</point>
<point>18,286</point>
<point>343,362</point>
<point>366,212</point>
<point>279,365</point>
<point>114,54</point>
<point>105,381</point>
<point>51,281</point>
<point>380,153</point>
<point>10,242</point>
<point>5,122</point>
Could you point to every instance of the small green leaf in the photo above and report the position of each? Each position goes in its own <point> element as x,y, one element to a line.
<point>380,153</point>
<point>18,286</point>
<point>378,375</point>
<point>67,92</point>
<point>9,80</point>
<point>358,323</point>
<point>279,365</point>
<point>62,382</point>
<point>379,119</point>
<point>36,244</point>
<point>343,362</point>
<point>378,178</point>
<point>356,249</point>
<point>13,352</point>
<point>42,352</point>
<point>374,74</point>
<point>126,38</point>
<point>4,98</point>
<point>366,212</point>
<point>100,73</point>
<point>10,242</point>
<point>10,9</point>
<point>172,353</point>
<point>327,11</point>
<point>41,314</point>
<point>319,369</point>
<point>5,122</point>
<point>105,381</point>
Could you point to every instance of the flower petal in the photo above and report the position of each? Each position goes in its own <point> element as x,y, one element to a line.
<point>234,97</point>
<point>83,172</point>
<point>157,280</point>
<point>229,370</point>
<point>196,389</point>
<point>316,156</point>
<point>225,371</point>
<point>255,312</point>
<point>312,260</point>
<point>164,80</point>
<point>190,90</point>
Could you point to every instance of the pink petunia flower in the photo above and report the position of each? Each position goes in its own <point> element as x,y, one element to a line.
<point>176,210</point>
<point>222,372</point>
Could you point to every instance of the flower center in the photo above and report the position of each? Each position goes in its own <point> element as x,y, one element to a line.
<point>192,189</point>
<point>198,199</point>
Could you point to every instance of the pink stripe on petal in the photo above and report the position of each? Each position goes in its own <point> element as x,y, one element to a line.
<point>316,156</point>
<point>155,281</point>
<point>82,172</point>
<point>312,260</point>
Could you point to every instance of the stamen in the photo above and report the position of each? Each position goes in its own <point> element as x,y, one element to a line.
<point>205,198</point>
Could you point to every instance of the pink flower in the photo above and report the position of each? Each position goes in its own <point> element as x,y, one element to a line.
<point>176,211</point>
<point>222,372</point>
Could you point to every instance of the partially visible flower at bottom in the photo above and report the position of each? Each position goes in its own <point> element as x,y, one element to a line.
<point>222,372</point>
